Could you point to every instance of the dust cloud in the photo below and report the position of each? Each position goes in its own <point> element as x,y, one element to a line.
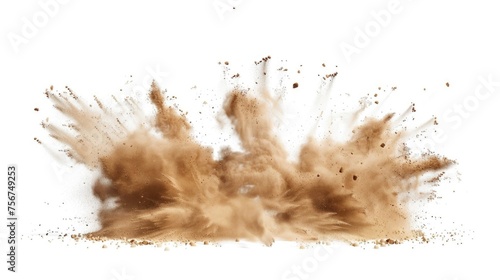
<point>157,183</point>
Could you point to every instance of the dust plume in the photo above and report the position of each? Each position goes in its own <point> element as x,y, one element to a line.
<point>157,183</point>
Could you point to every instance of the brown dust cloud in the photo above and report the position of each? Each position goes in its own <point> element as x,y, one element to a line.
<point>158,183</point>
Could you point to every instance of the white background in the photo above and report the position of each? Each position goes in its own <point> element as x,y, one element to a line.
<point>95,46</point>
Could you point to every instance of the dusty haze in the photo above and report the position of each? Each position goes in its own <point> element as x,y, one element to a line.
<point>158,183</point>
